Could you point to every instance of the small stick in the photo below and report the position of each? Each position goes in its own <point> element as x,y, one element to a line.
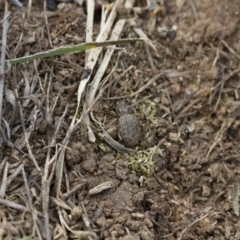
<point>75,189</point>
<point>149,56</point>
<point>150,82</point>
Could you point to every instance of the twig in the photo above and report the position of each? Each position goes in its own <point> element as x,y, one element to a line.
<point>72,191</point>
<point>150,82</point>
<point>149,56</point>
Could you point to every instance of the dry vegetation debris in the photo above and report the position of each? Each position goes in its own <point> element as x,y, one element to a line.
<point>60,179</point>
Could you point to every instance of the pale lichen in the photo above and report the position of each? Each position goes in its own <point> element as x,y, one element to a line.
<point>143,161</point>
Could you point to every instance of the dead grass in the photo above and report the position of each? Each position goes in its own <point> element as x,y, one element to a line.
<point>56,181</point>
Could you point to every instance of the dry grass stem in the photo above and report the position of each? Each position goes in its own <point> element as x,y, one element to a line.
<point>60,203</point>
<point>223,82</point>
<point>29,8</point>
<point>47,25</point>
<point>98,76</point>
<point>46,179</point>
<point>217,139</point>
<point>231,50</point>
<point>193,9</point>
<point>14,174</point>
<point>33,211</point>
<point>85,78</point>
<point>142,35</point>
<point>2,69</point>
<point>74,190</point>
<point>148,84</point>
<point>2,164</point>
<point>89,23</point>
<point>78,234</point>
<point>59,179</point>
<point>85,218</point>
<point>185,229</point>
<point>60,161</point>
<point>235,197</point>
<point>220,93</point>
<point>4,181</point>
<point>16,206</point>
<point>93,56</point>
<point>26,135</point>
<point>149,56</point>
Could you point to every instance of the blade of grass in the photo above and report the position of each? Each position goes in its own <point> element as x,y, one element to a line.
<point>70,49</point>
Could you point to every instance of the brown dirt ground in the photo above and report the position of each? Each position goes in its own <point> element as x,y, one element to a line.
<point>191,115</point>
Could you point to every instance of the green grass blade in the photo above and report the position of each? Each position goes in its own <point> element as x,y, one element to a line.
<point>70,49</point>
